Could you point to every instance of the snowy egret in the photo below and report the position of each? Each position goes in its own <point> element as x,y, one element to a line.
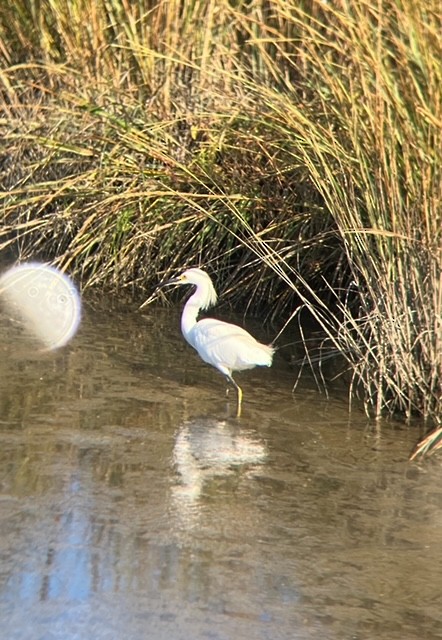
<point>225,346</point>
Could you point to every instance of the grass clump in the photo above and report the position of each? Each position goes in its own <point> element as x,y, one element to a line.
<point>373,150</point>
<point>296,145</point>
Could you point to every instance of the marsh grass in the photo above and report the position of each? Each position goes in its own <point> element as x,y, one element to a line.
<point>428,445</point>
<point>293,148</point>
<point>374,155</point>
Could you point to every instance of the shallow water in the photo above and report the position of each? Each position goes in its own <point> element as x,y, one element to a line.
<point>134,505</point>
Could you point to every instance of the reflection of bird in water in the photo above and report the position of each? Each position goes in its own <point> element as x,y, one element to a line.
<point>206,449</point>
<point>225,346</point>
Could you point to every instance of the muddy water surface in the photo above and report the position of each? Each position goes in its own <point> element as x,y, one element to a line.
<point>133,504</point>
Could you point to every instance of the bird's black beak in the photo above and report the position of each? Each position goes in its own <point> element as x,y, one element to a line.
<point>161,285</point>
<point>166,283</point>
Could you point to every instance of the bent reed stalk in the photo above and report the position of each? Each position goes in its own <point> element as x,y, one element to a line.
<point>296,145</point>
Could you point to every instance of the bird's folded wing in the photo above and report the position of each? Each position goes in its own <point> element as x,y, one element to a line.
<point>219,342</point>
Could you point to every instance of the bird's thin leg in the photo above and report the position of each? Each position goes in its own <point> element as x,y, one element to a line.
<point>239,395</point>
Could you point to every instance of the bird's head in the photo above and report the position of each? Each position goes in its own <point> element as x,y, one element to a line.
<point>205,291</point>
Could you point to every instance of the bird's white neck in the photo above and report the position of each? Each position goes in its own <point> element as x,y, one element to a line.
<point>203,298</point>
<point>189,317</point>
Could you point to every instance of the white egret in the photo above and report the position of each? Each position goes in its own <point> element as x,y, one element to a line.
<point>225,346</point>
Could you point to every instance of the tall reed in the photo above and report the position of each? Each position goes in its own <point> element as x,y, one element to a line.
<point>372,143</point>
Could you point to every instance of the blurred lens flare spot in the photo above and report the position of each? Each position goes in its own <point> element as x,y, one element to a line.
<point>33,292</point>
<point>44,300</point>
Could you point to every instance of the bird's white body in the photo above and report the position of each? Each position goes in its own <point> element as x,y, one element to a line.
<point>225,346</point>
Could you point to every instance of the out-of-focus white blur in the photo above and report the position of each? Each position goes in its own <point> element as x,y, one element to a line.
<point>44,300</point>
